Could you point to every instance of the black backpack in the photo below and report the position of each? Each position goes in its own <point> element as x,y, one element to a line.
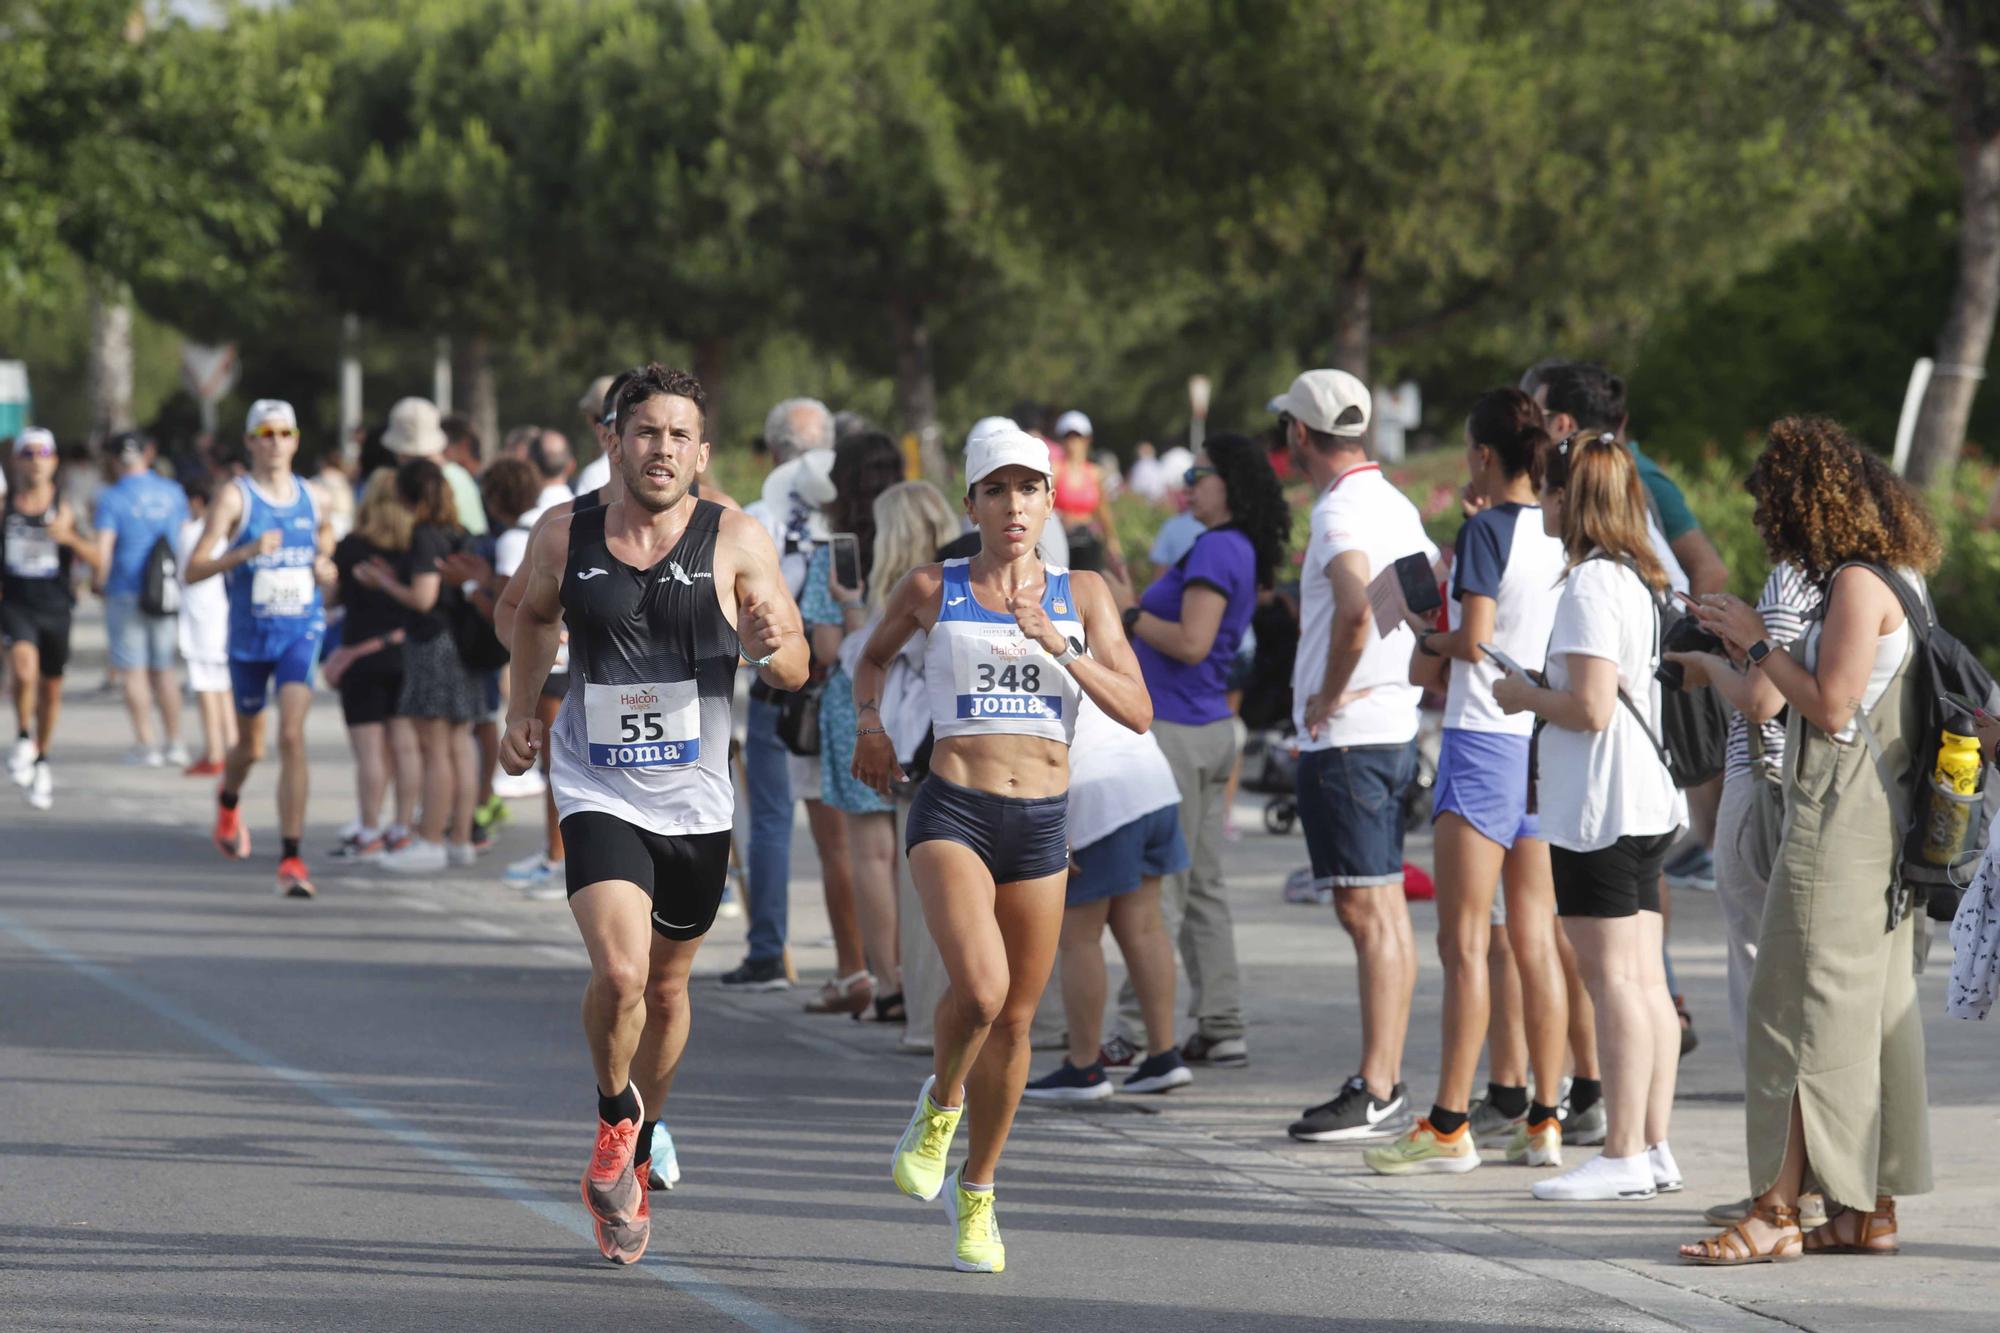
<point>1949,678</point>
<point>160,582</point>
<point>1693,740</point>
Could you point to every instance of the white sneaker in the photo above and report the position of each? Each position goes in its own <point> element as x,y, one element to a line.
<point>419,857</point>
<point>529,868</point>
<point>41,787</point>
<point>177,755</point>
<point>21,761</point>
<point>508,787</point>
<point>145,756</point>
<point>1600,1178</point>
<point>459,854</point>
<point>1666,1171</point>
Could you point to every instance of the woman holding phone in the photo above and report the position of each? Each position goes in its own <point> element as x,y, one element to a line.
<point>1504,592</point>
<point>1013,646</point>
<point>833,603</point>
<point>1608,806</point>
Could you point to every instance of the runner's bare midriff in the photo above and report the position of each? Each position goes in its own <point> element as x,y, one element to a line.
<point>1004,765</point>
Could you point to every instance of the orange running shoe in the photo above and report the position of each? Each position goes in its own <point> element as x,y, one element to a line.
<point>292,881</point>
<point>231,838</point>
<point>624,1242</point>
<point>610,1190</point>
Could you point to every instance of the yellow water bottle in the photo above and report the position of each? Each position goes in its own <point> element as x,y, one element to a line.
<point>1954,791</point>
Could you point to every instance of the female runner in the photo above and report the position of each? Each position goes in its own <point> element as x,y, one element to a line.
<point>1013,645</point>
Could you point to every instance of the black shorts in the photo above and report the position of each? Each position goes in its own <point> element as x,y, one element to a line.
<point>684,873</point>
<point>1620,880</point>
<point>45,627</point>
<point>369,690</point>
<point>556,686</point>
<point>1018,837</point>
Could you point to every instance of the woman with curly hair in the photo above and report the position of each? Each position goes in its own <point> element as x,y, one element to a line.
<point>1504,590</point>
<point>1835,1054</point>
<point>1185,630</point>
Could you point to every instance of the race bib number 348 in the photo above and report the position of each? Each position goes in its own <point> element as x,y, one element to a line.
<point>643,726</point>
<point>1005,677</point>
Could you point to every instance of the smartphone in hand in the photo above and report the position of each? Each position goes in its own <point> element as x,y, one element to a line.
<point>847,560</point>
<point>1506,663</point>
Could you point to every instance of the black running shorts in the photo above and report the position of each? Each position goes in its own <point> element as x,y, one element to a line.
<point>1018,837</point>
<point>45,627</point>
<point>1620,880</point>
<point>684,874</point>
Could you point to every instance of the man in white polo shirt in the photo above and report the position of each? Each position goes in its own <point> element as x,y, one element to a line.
<point>1356,714</point>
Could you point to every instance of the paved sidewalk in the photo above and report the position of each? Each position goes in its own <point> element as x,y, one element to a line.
<point>1201,1191</point>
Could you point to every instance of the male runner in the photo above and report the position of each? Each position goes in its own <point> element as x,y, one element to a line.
<point>38,543</point>
<point>277,561</point>
<point>661,593</point>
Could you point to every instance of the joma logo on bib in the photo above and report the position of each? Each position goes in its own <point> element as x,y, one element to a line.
<point>663,755</point>
<point>1010,705</point>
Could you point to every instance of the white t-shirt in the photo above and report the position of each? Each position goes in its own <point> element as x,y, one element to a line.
<point>1115,776</point>
<point>1360,511</point>
<point>1595,787</point>
<point>510,548</point>
<point>1503,554</point>
<point>595,473</point>
<point>204,627</point>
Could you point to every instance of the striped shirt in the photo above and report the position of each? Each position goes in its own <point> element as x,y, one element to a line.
<point>1788,602</point>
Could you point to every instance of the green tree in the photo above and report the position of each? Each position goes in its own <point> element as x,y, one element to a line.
<point>1405,186</point>
<point>1939,60</point>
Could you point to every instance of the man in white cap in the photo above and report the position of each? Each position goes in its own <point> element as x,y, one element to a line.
<point>1356,715</point>
<point>39,544</point>
<point>277,559</point>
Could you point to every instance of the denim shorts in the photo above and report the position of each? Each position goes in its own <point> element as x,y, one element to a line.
<point>1351,808</point>
<point>1483,779</point>
<point>1115,864</point>
<point>139,642</point>
<point>1018,837</point>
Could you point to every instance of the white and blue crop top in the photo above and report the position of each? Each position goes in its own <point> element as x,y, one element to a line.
<point>986,678</point>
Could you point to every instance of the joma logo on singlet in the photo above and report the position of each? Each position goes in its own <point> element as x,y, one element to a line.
<point>1010,705</point>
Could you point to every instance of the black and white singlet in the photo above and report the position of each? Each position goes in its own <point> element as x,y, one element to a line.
<point>643,734</point>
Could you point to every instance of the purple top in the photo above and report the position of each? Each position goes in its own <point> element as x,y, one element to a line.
<point>1195,695</point>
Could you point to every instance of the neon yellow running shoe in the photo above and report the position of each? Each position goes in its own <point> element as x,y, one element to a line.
<point>1537,1145</point>
<point>975,1235</point>
<point>918,1167</point>
<point>1424,1149</point>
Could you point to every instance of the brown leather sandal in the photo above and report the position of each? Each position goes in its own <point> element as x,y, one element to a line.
<point>1733,1248</point>
<point>850,994</point>
<point>1878,1224</point>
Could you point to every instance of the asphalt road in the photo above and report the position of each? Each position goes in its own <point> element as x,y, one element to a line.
<point>224,1110</point>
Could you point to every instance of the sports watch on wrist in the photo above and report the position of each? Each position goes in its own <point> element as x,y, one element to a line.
<point>1758,651</point>
<point>1070,653</point>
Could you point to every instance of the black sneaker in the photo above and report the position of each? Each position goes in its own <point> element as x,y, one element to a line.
<point>757,974</point>
<point>1355,1114</point>
<point>1160,1073</point>
<point>1117,1052</point>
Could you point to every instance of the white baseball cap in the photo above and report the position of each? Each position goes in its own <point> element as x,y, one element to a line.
<point>1319,398</point>
<point>1073,423</point>
<point>997,442</point>
<point>32,437</point>
<point>266,410</point>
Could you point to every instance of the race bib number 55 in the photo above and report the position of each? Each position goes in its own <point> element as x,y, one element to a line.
<point>1005,677</point>
<point>643,726</point>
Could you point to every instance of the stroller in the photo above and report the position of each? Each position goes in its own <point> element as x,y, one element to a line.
<point>1271,764</point>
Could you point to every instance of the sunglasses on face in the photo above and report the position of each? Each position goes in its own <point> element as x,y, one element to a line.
<point>275,433</point>
<point>35,451</point>
<point>1195,474</point>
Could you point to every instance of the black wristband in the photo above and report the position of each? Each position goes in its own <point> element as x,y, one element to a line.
<point>1424,644</point>
<point>1132,614</point>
